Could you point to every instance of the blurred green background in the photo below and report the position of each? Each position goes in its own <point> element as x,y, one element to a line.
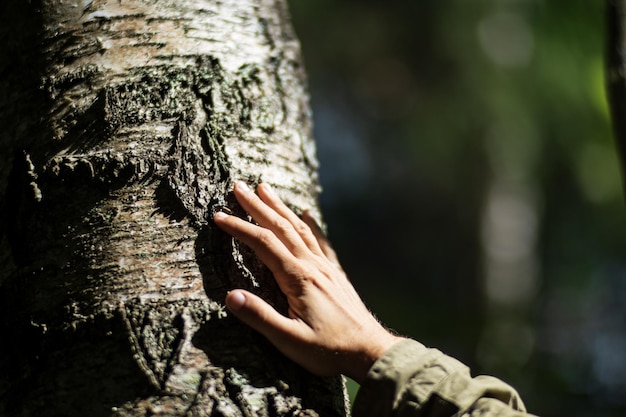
<point>471,186</point>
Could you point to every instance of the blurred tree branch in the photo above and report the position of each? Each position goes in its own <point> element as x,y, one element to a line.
<point>616,73</point>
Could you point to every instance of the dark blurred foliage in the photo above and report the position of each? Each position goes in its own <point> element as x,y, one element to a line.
<point>471,187</point>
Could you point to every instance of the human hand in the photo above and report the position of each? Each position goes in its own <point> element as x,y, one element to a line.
<point>328,329</point>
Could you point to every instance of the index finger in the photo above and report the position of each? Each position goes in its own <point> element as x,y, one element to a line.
<point>263,242</point>
<point>269,218</point>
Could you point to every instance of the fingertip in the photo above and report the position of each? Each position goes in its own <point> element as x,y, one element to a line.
<point>235,300</point>
<point>266,187</point>
<point>256,313</point>
<point>308,217</point>
<point>220,215</point>
<point>267,193</point>
<point>242,188</point>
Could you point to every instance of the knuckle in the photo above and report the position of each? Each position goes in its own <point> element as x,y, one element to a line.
<point>264,237</point>
<point>282,224</point>
<point>302,228</point>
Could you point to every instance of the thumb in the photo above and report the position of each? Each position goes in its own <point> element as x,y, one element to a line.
<point>259,315</point>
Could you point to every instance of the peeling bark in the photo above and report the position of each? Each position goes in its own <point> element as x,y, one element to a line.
<point>125,124</point>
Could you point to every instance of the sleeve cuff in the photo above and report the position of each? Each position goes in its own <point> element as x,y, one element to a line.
<point>410,376</point>
<point>378,393</point>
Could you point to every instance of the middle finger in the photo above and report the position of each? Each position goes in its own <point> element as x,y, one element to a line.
<point>268,218</point>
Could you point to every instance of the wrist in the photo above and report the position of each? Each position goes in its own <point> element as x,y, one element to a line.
<point>372,350</point>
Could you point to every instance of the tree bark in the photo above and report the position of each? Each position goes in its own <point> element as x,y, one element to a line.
<point>125,125</point>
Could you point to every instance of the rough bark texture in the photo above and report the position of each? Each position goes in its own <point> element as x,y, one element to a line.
<point>125,124</point>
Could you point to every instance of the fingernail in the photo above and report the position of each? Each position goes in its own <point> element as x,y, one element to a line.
<point>235,300</point>
<point>268,188</point>
<point>220,215</point>
<point>242,186</point>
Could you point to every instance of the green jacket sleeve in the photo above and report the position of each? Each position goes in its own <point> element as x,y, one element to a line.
<point>412,380</point>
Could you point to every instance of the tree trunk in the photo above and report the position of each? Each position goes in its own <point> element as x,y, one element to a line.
<point>125,124</point>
